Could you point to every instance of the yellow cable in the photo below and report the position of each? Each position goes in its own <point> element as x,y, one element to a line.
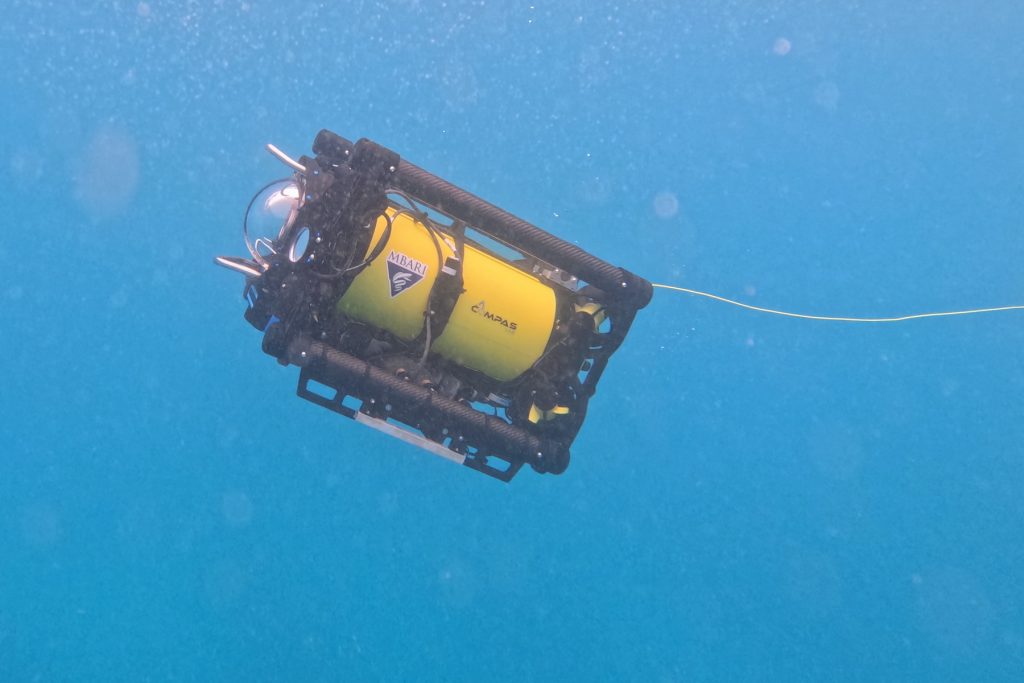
<point>838,318</point>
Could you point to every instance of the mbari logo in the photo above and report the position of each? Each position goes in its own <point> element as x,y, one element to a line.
<point>481,309</point>
<point>404,272</point>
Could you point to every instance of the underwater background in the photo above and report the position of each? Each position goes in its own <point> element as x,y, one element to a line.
<point>751,497</point>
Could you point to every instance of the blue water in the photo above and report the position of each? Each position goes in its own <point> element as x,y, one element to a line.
<point>751,498</point>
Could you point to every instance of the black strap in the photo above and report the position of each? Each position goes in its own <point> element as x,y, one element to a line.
<point>448,285</point>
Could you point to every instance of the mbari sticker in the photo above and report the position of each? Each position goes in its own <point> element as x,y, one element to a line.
<point>404,272</point>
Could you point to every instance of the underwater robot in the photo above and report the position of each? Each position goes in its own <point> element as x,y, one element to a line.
<point>427,313</point>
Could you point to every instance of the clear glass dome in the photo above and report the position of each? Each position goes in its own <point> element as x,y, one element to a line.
<point>273,210</point>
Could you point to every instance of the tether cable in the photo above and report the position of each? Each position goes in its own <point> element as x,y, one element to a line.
<point>837,318</point>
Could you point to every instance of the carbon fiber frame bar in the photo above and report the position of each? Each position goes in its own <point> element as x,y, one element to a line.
<point>414,405</point>
<point>439,193</point>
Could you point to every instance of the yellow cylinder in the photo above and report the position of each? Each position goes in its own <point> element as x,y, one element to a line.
<point>500,325</point>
